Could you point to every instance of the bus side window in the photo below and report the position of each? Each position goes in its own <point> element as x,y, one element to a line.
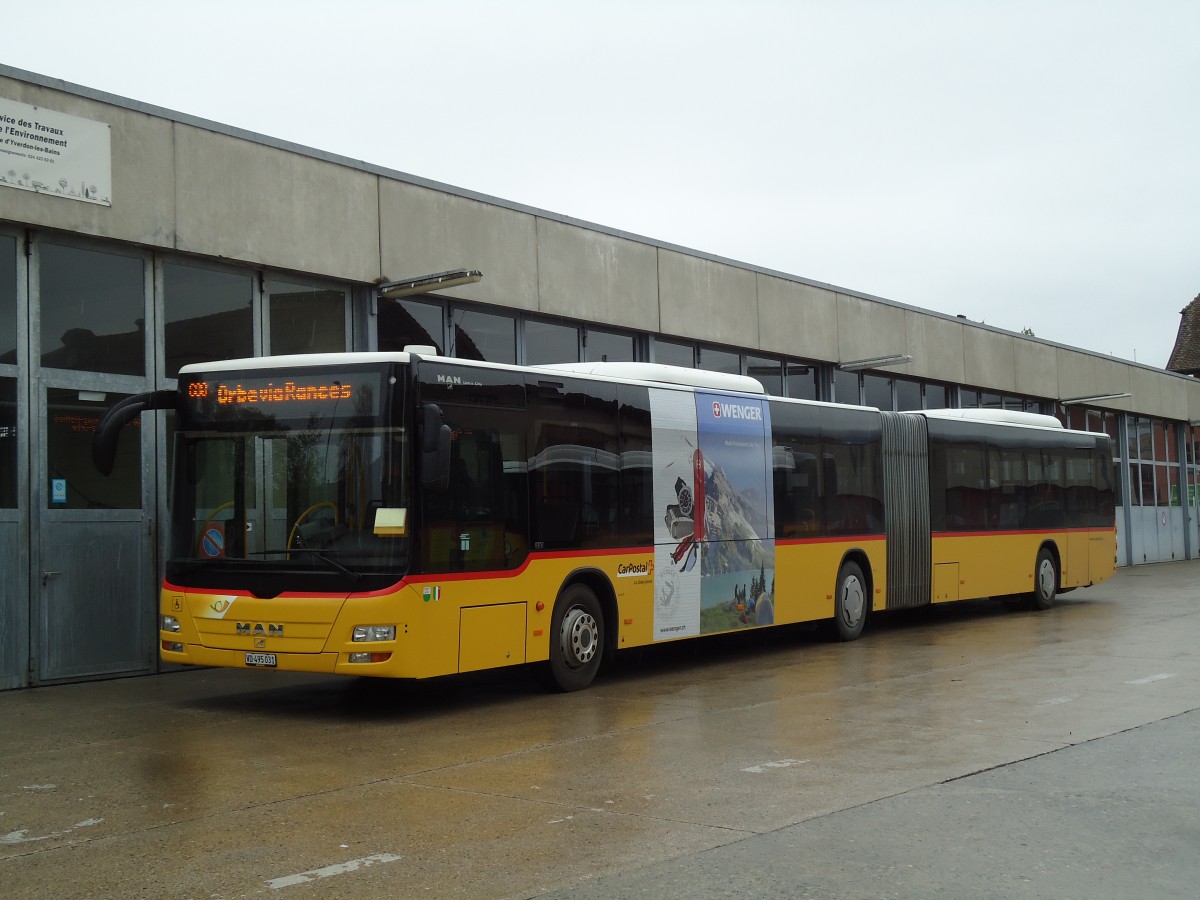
<point>635,515</point>
<point>797,477</point>
<point>575,465</point>
<point>479,522</point>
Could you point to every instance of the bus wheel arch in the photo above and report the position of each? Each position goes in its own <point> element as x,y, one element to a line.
<point>1047,575</point>
<point>852,598</point>
<point>582,631</point>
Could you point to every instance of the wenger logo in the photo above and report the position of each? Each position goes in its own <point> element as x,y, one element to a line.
<point>737,411</point>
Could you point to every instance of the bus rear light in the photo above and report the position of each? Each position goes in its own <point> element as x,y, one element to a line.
<point>374,633</point>
<point>172,646</point>
<point>369,657</point>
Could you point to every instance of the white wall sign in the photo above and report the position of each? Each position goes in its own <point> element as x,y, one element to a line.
<point>54,153</point>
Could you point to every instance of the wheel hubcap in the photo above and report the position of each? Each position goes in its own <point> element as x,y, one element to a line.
<point>578,638</point>
<point>1046,578</point>
<point>853,601</point>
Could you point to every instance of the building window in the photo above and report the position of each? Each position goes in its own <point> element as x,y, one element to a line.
<point>8,300</point>
<point>404,323</point>
<point>937,396</point>
<point>877,391</point>
<point>846,387</point>
<point>712,360</point>
<point>484,336</point>
<point>71,416</point>
<point>607,346</point>
<point>306,319</point>
<point>208,315</point>
<point>803,381</point>
<point>547,342</point>
<point>9,451</point>
<point>673,353</point>
<point>1154,468</point>
<point>908,394</point>
<point>767,372</point>
<point>93,308</point>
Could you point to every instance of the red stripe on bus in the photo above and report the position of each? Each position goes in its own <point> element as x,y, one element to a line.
<point>1035,531</point>
<point>845,539</point>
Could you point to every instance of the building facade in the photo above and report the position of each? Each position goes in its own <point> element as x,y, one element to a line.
<point>168,240</point>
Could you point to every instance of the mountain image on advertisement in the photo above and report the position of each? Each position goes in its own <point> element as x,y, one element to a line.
<point>735,528</point>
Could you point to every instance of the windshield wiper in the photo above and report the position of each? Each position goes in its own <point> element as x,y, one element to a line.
<point>322,555</point>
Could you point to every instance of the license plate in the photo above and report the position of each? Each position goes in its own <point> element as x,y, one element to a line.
<point>260,659</point>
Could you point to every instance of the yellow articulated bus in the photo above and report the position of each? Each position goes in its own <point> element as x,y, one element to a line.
<point>408,516</point>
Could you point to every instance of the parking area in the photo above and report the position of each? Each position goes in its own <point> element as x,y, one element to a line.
<point>966,747</point>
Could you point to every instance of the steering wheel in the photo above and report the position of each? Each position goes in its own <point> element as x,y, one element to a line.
<point>308,512</point>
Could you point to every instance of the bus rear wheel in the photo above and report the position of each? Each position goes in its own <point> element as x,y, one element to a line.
<point>1045,580</point>
<point>576,639</point>
<point>851,602</point>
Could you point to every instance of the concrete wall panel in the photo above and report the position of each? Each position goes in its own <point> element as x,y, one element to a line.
<point>1174,397</point>
<point>1082,375</point>
<point>797,319</point>
<point>596,277</point>
<point>867,329</point>
<point>1147,388</point>
<point>706,300</point>
<point>989,359</point>
<point>243,201</point>
<point>1193,402</point>
<point>423,231</point>
<point>143,174</point>
<point>1036,368</point>
<point>936,345</point>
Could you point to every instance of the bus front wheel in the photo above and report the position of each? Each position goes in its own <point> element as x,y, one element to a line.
<point>576,639</point>
<point>1045,580</point>
<point>851,602</point>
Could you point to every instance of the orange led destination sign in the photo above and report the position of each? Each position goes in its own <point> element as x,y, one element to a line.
<point>287,392</point>
<point>287,395</point>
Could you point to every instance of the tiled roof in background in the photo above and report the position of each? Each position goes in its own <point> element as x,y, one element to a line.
<point>1185,357</point>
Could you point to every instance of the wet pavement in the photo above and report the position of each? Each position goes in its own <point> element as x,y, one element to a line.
<point>951,751</point>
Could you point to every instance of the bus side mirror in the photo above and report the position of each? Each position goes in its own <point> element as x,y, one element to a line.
<point>435,449</point>
<point>108,430</point>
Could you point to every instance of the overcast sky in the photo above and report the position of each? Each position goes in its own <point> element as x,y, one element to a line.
<point>1026,164</point>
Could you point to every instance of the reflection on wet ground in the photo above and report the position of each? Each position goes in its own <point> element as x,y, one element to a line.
<point>227,783</point>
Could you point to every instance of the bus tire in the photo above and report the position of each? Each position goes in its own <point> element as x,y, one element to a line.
<point>851,602</point>
<point>1045,580</point>
<point>576,639</point>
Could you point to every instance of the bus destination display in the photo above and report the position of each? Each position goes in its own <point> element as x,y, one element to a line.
<point>286,396</point>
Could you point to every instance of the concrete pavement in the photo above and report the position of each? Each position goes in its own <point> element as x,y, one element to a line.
<point>953,751</point>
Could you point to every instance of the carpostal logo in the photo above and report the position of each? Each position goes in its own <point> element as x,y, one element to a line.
<point>744,411</point>
<point>633,570</point>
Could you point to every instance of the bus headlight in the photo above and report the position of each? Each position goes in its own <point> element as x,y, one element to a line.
<point>169,623</point>
<point>374,633</point>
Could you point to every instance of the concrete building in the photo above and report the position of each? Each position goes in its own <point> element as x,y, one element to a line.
<point>134,239</point>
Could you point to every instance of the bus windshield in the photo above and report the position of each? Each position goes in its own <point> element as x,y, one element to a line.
<point>281,480</point>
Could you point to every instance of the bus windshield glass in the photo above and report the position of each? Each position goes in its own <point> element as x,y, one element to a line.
<point>283,477</point>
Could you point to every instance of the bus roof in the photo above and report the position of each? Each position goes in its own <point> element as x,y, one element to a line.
<point>294,361</point>
<point>998,416</point>
<point>662,374</point>
<point>625,371</point>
